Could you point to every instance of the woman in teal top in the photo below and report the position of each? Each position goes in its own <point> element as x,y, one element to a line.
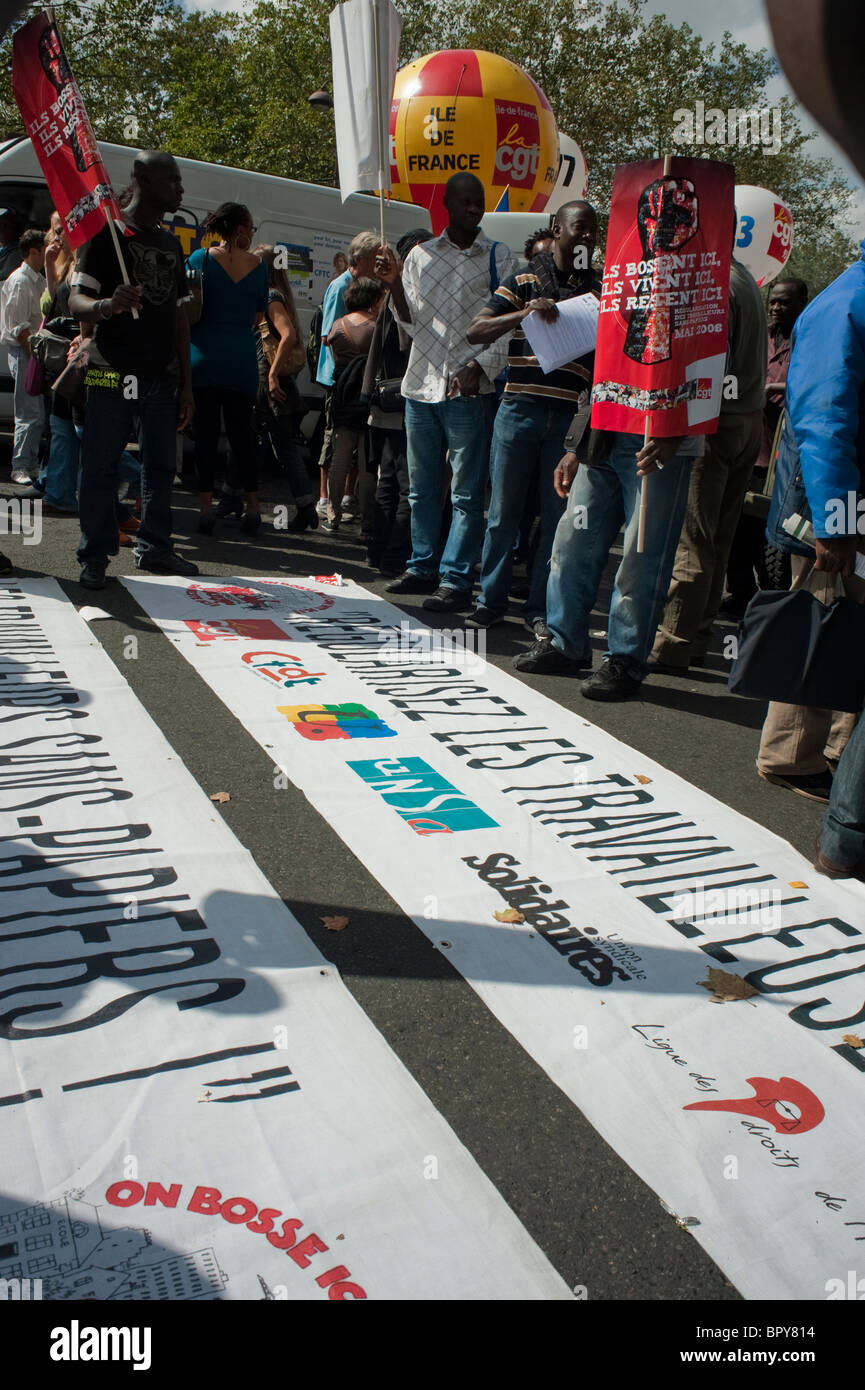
<point>234,286</point>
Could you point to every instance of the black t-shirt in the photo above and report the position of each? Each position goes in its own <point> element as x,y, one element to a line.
<point>146,347</point>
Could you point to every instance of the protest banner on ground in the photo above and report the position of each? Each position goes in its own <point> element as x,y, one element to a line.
<point>680,972</point>
<point>194,1107</point>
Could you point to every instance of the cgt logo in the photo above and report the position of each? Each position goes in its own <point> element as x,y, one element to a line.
<point>262,629</point>
<point>319,723</point>
<point>785,1104</point>
<point>411,786</point>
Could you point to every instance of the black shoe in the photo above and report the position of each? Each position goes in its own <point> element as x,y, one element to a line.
<point>206,523</point>
<point>816,786</point>
<point>482,617</point>
<point>250,523</point>
<point>538,627</point>
<point>543,659</point>
<point>331,527</point>
<point>663,668</point>
<point>447,600</point>
<point>611,681</point>
<point>92,575</point>
<point>5,564</point>
<point>733,608</point>
<point>31,494</point>
<point>229,506</point>
<point>409,583</point>
<point>165,564</point>
<point>519,588</point>
<point>306,519</point>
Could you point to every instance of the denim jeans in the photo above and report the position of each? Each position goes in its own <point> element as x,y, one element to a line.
<point>29,417</point>
<point>61,471</point>
<point>528,442</point>
<point>843,837</point>
<point>391,543</point>
<point>610,494</point>
<point>108,423</point>
<point>461,426</point>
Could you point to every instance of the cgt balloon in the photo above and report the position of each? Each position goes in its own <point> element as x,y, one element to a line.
<point>764,232</point>
<point>466,110</point>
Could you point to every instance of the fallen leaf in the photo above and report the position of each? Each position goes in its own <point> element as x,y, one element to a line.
<point>644,780</point>
<point>205,1096</point>
<point>726,988</point>
<point>797,883</point>
<point>220,798</point>
<point>335,923</point>
<point>509,915</point>
<point>852,1041</point>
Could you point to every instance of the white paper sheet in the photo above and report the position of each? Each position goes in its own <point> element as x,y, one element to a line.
<point>571,336</point>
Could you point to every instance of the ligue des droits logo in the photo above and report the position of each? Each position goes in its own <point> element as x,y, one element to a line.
<point>321,722</point>
<point>425,800</point>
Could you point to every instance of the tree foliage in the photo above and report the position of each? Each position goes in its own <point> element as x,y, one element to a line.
<point>232,87</point>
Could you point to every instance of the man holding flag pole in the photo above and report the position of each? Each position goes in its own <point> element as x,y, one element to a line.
<point>659,370</point>
<point>129,289</point>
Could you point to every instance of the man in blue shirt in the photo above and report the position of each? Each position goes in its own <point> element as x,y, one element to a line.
<point>361,265</point>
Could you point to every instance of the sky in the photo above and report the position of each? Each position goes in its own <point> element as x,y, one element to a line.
<point>746,22</point>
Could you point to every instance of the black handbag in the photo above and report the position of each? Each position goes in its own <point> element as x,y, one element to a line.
<point>796,649</point>
<point>388,395</point>
<point>70,384</point>
<point>49,350</point>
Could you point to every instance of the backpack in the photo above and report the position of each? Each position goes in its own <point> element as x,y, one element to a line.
<point>313,342</point>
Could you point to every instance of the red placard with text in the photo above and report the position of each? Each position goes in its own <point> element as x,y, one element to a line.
<point>662,330</point>
<point>57,123</point>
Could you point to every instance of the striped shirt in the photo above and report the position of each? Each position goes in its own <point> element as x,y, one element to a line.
<point>524,377</point>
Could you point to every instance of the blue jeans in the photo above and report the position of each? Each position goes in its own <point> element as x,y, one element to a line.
<point>108,423</point>
<point>843,837</point>
<point>528,441</point>
<point>29,417</point>
<point>602,498</point>
<point>61,470</point>
<point>462,426</point>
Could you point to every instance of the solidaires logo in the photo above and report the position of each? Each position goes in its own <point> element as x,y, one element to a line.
<point>412,787</point>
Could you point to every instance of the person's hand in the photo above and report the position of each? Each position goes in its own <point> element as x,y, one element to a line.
<point>386,268</point>
<point>125,298</point>
<point>546,309</point>
<point>185,408</point>
<point>655,454</point>
<point>836,555</point>
<point>566,471</point>
<point>52,251</point>
<point>466,382</point>
<point>274,388</point>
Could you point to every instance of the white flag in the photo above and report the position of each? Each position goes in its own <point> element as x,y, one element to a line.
<point>364,41</point>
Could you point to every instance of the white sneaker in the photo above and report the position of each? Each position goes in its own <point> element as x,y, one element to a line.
<point>349,506</point>
<point>321,506</point>
<point>23,478</point>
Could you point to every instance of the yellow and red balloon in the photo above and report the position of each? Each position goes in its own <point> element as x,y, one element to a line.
<point>466,110</point>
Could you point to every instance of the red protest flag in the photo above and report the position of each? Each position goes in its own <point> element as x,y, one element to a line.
<point>662,329</point>
<point>57,123</point>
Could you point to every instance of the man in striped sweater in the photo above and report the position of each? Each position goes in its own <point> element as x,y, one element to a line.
<point>535,412</point>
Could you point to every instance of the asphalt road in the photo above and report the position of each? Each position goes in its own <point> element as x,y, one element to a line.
<point>598,1223</point>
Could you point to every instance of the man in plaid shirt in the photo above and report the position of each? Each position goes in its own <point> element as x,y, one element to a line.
<point>449,391</point>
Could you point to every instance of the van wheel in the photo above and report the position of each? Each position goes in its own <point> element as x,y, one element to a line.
<point>775,571</point>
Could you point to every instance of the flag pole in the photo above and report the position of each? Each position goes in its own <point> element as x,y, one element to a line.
<point>383,173</point>
<point>641,526</point>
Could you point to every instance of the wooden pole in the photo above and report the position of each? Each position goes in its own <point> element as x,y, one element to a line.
<point>114,237</point>
<point>383,162</point>
<point>641,526</point>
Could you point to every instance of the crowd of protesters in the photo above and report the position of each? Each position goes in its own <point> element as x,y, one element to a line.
<point>442,438</point>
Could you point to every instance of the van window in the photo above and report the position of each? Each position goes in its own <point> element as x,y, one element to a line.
<point>31,201</point>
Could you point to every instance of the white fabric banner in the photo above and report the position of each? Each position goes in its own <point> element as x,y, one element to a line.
<point>466,793</point>
<point>193,1105</point>
<point>364,41</point>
